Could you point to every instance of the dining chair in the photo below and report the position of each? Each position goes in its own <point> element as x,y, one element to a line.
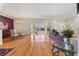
<point>14,34</point>
<point>59,46</point>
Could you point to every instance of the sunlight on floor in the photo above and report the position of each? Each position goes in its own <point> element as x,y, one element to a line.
<point>38,38</point>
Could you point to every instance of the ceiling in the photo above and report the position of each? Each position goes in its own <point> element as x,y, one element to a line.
<point>39,10</point>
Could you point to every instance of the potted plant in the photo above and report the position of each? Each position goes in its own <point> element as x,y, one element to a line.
<point>67,34</point>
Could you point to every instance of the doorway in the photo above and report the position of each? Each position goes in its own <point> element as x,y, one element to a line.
<point>39,32</point>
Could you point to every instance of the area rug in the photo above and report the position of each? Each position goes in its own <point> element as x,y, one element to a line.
<point>4,51</point>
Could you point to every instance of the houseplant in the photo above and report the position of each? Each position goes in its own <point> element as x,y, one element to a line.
<point>67,34</point>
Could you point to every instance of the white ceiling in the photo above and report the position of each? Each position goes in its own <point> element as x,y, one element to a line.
<point>39,10</point>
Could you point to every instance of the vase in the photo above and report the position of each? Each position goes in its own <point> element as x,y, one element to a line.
<point>67,43</point>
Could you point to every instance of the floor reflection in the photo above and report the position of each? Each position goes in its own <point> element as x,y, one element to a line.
<point>38,38</point>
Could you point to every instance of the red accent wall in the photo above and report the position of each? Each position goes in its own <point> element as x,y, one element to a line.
<point>6,32</point>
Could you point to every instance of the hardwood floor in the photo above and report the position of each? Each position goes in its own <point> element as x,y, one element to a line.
<point>25,47</point>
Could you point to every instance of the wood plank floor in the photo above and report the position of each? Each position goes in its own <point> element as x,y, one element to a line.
<point>25,47</point>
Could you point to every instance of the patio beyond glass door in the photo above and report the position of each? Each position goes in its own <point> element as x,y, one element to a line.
<point>39,32</point>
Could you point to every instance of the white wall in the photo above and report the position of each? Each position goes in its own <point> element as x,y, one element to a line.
<point>58,25</point>
<point>22,25</point>
<point>1,39</point>
<point>77,22</point>
<point>73,23</point>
